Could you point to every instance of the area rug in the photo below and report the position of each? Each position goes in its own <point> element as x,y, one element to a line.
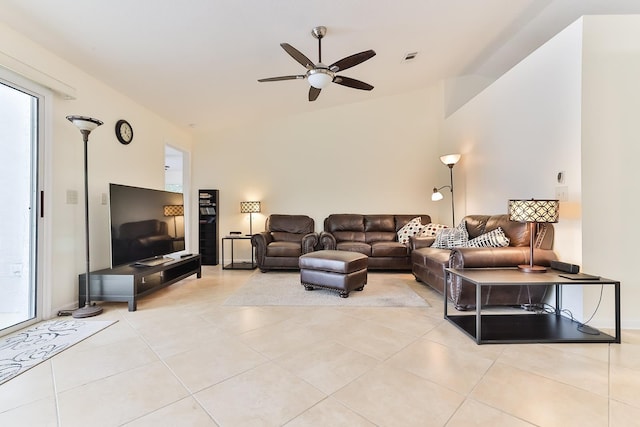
<point>284,288</point>
<point>25,349</point>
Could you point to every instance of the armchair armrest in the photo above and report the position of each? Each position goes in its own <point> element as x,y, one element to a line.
<point>260,242</point>
<point>420,242</point>
<point>328,241</point>
<point>309,242</point>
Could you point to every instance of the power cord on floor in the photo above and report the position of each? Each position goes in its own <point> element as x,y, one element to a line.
<point>545,308</point>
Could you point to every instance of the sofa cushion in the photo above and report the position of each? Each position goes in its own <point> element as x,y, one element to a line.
<point>287,237</point>
<point>431,229</point>
<point>379,223</point>
<point>349,236</point>
<point>493,239</point>
<point>410,229</point>
<point>389,249</point>
<point>361,247</point>
<point>448,238</point>
<point>344,222</point>
<point>284,249</point>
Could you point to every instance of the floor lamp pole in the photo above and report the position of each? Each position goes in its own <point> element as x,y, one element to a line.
<point>86,125</point>
<point>453,211</point>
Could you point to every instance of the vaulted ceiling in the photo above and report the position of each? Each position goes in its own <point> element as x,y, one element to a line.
<point>197,62</point>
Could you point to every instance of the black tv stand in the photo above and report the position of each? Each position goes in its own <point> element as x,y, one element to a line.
<point>127,283</point>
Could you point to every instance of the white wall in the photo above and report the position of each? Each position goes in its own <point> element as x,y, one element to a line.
<point>571,107</point>
<point>141,163</point>
<point>369,157</point>
<point>610,153</point>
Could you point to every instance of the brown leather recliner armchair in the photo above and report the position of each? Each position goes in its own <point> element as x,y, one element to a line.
<point>285,238</point>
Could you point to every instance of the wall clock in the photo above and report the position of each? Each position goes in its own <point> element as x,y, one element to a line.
<point>124,132</point>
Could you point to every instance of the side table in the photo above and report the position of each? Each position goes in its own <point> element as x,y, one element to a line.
<point>531,327</point>
<point>239,265</point>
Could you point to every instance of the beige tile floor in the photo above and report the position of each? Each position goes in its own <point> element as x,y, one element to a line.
<point>185,359</point>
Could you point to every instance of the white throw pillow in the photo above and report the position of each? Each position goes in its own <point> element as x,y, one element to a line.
<point>431,229</point>
<point>410,229</point>
<point>493,239</point>
<point>448,238</point>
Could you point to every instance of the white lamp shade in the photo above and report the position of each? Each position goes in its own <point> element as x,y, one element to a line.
<point>84,123</point>
<point>450,159</point>
<point>436,196</point>
<point>320,78</point>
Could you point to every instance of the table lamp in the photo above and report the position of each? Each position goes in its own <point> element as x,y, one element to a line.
<point>250,208</point>
<point>533,211</point>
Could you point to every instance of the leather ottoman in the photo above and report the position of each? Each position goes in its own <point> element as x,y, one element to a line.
<point>342,271</point>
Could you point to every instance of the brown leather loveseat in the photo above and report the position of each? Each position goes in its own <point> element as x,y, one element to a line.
<point>285,238</point>
<point>429,263</point>
<point>373,235</point>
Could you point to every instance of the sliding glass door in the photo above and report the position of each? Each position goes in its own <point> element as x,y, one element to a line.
<point>19,124</point>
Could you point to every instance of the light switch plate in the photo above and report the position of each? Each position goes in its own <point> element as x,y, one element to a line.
<point>562,193</point>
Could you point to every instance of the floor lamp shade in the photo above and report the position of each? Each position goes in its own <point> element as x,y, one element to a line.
<point>250,208</point>
<point>533,211</point>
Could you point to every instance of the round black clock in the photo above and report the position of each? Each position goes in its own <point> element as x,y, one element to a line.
<point>124,132</point>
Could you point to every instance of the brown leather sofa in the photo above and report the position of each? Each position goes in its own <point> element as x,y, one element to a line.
<point>429,263</point>
<point>373,235</point>
<point>285,238</point>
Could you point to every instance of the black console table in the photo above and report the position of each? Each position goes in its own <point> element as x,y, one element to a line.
<point>127,283</point>
<point>527,328</point>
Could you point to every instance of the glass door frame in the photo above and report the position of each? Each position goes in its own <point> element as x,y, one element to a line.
<point>40,251</point>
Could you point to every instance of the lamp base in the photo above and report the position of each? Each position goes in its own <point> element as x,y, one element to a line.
<point>526,268</point>
<point>87,311</point>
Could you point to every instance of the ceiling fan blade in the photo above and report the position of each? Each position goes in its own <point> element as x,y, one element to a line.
<point>298,56</point>
<point>349,82</point>
<point>313,93</point>
<point>351,61</point>
<point>277,79</point>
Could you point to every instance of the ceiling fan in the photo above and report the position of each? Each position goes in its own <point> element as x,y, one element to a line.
<point>320,75</point>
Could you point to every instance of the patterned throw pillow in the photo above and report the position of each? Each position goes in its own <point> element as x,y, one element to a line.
<point>493,239</point>
<point>431,229</point>
<point>410,229</point>
<point>448,238</point>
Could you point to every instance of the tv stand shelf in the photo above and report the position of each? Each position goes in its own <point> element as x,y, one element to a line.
<point>127,283</point>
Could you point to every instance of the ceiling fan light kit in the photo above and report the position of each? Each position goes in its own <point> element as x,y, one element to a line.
<point>319,75</point>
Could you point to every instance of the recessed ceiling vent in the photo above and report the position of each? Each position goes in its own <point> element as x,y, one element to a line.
<point>410,56</point>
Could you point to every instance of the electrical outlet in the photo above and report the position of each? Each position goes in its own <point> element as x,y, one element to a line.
<point>562,193</point>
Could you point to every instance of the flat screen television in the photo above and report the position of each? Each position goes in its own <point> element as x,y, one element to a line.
<point>145,224</point>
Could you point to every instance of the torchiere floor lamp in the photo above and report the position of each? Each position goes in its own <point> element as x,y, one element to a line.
<point>86,125</point>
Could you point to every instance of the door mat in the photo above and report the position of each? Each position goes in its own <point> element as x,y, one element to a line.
<point>25,349</point>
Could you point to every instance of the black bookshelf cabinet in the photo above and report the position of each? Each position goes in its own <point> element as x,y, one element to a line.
<point>208,210</point>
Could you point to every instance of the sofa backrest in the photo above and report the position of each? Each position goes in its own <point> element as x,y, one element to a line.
<point>517,232</point>
<point>290,228</point>
<point>368,228</point>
